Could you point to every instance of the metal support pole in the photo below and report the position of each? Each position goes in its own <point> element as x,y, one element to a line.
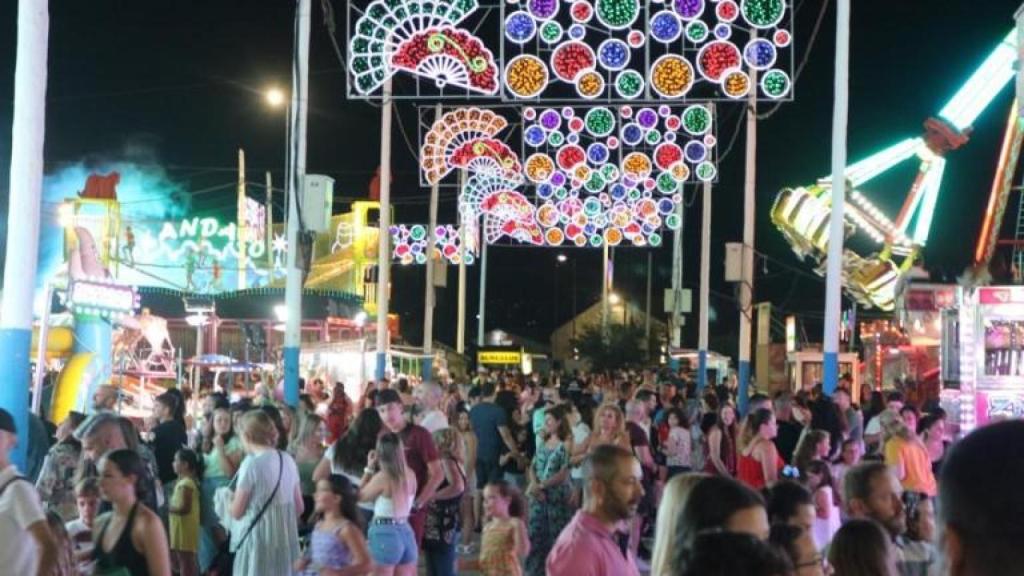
<point>705,281</point>
<point>482,310</point>
<point>268,237</point>
<point>383,247</point>
<point>44,335</point>
<point>647,307</point>
<point>430,295</point>
<point>675,321</point>
<point>747,283</point>
<point>26,184</point>
<point>296,182</point>
<point>833,280</point>
<point>604,292</point>
<point>460,323</point>
<point>240,226</point>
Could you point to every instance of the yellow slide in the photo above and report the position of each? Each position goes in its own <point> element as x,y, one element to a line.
<point>69,383</point>
<point>59,341</point>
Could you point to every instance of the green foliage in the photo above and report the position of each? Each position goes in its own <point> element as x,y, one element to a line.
<point>624,347</point>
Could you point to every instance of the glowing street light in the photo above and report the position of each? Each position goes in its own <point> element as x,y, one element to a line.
<point>360,319</point>
<point>562,257</point>
<point>275,97</point>
<point>614,299</point>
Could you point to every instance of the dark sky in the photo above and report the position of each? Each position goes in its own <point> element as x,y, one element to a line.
<point>185,78</point>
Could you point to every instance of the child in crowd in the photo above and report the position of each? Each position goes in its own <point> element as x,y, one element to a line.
<point>87,499</point>
<point>823,490</point>
<point>337,544</point>
<point>184,512</point>
<point>504,542</point>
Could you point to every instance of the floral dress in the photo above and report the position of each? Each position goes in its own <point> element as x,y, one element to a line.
<point>548,516</point>
<point>56,483</point>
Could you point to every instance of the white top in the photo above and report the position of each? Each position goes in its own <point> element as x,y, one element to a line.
<point>81,543</point>
<point>677,448</point>
<point>824,529</point>
<point>874,427</point>
<point>580,433</point>
<point>19,509</point>
<point>433,421</point>
<point>384,507</point>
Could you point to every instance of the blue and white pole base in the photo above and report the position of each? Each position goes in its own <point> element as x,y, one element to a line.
<point>15,345</point>
<point>428,368</point>
<point>743,394</point>
<point>291,375</point>
<point>702,370</point>
<point>830,373</point>
<point>382,364</point>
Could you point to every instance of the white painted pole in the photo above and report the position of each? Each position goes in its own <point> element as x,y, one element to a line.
<point>240,227</point>
<point>383,245</point>
<point>705,282</point>
<point>44,335</point>
<point>747,284</point>
<point>675,321</point>
<point>430,295</point>
<point>268,238</point>
<point>482,310</point>
<point>833,280</point>
<point>460,328</point>
<point>26,183</point>
<point>296,183</point>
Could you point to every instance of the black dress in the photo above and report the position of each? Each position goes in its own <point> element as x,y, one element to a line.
<point>123,555</point>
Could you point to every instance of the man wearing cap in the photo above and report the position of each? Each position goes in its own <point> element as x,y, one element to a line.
<point>420,455</point>
<point>26,544</point>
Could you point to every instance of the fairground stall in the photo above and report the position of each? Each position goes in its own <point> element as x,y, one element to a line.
<point>991,355</point>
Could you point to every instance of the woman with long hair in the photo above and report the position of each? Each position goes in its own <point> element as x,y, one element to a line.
<point>814,444</point>
<point>391,486</point>
<point>337,544</point>
<point>758,463</point>
<point>673,501</point>
<point>549,492</point>
<point>222,453</point>
<point>339,413</point>
<point>130,537</point>
<point>862,548</point>
<point>469,505</point>
<point>720,442</point>
<point>348,455</point>
<point>609,428</point>
<point>444,516</point>
<point>824,492</point>
<point>307,448</point>
<point>907,455</point>
<point>267,501</point>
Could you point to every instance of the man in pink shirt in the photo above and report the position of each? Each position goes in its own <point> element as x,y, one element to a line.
<point>592,543</point>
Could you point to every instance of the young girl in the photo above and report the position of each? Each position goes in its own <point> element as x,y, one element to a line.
<point>184,512</point>
<point>677,445</point>
<point>472,503</point>
<point>504,542</point>
<point>337,546</point>
<point>822,488</point>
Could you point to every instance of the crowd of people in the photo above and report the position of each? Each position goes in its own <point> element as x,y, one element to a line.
<point>505,475</point>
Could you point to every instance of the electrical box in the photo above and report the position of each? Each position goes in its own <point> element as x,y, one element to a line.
<point>317,202</point>
<point>733,262</point>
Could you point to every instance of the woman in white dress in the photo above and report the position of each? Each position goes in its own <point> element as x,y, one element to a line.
<point>268,543</point>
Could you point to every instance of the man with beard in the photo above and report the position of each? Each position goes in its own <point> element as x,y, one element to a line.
<point>590,544</point>
<point>872,491</point>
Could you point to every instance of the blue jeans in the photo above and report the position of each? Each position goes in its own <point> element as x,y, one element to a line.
<point>441,557</point>
<point>393,544</point>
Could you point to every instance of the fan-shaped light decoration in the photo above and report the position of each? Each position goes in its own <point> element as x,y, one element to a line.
<point>420,37</point>
<point>464,138</point>
<point>510,214</point>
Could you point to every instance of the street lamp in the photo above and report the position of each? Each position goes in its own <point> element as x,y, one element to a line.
<point>614,299</point>
<point>562,257</point>
<point>275,97</point>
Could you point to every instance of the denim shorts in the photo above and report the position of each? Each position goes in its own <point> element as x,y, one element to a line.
<point>393,544</point>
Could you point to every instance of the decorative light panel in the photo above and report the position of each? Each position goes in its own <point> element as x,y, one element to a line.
<point>409,242</point>
<point>426,39</point>
<point>614,174</point>
<point>639,50</point>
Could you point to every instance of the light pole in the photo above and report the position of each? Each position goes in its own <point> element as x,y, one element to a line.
<point>361,324</point>
<point>559,260</point>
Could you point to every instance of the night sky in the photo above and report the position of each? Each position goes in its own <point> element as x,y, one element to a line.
<point>178,85</point>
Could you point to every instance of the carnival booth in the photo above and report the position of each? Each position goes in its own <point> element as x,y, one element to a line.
<point>806,368</point>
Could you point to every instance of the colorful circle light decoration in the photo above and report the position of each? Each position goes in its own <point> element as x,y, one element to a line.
<point>520,27</point>
<point>551,32</point>
<point>782,38</point>
<point>667,155</point>
<point>526,76</point>
<point>600,122</point>
<point>539,167</point>
<point>759,54</point>
<point>581,11</point>
<point>636,165</point>
<point>775,84</point>
<point>716,57</point>
<point>571,59</point>
<point>617,14</point>
<point>665,27</point>
<point>671,76</point>
<point>590,84</point>
<point>736,84</point>
<point>696,31</point>
<point>696,120</point>
<point>543,9</point>
<point>727,11</point>
<point>570,156</point>
<point>688,9</point>
<point>629,84</point>
<point>763,13</point>
<point>613,54</point>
